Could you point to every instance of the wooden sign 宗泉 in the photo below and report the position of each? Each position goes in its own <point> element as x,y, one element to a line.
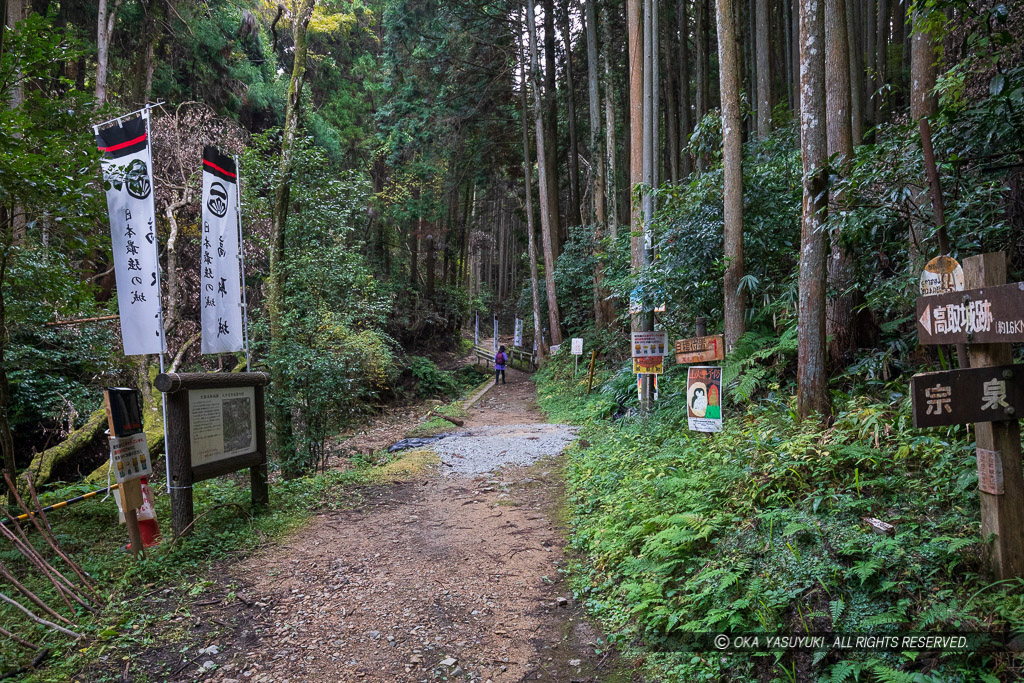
<point>992,315</point>
<point>955,397</point>
<point>700,349</point>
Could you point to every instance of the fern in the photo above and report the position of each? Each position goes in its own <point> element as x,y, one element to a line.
<point>836,608</point>
<point>842,671</point>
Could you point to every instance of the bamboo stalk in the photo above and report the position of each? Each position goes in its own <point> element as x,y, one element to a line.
<point>57,323</point>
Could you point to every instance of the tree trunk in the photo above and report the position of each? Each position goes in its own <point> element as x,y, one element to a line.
<point>106,17</point>
<point>923,105</point>
<point>548,203</point>
<point>840,305</point>
<point>636,147</point>
<point>671,106</point>
<point>430,267</point>
<point>609,133</point>
<point>703,59</point>
<point>764,72</point>
<point>732,160</point>
<point>794,57</point>
<point>574,211</point>
<point>685,119</point>
<point>6,436</point>
<point>812,378</point>
<point>414,255</point>
<point>550,146</point>
<point>870,35</point>
<point>528,191</point>
<point>881,48</point>
<point>895,65</point>
<point>281,411</point>
<point>856,76</point>
<point>602,313</point>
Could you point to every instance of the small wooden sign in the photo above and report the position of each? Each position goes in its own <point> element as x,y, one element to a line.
<point>990,472</point>
<point>965,396</point>
<point>993,315</point>
<point>700,349</point>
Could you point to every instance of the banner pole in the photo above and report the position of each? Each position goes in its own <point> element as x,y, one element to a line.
<point>159,279</point>
<point>241,258</point>
<point>118,119</point>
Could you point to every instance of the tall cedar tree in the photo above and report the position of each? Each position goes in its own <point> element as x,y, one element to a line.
<point>812,376</point>
<point>732,160</point>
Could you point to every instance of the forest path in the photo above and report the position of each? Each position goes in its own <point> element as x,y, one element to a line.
<point>444,577</point>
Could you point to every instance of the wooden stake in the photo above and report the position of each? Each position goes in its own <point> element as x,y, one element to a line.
<point>590,378</point>
<point>1002,515</point>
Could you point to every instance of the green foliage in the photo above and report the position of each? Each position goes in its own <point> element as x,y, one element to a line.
<point>431,380</point>
<point>759,528</point>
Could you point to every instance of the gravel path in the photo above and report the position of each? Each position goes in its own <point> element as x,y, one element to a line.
<point>486,449</point>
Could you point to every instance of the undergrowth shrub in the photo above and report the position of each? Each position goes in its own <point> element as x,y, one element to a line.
<point>760,529</point>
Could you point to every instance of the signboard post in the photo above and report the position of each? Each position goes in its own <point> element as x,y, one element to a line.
<point>989,315</point>
<point>577,351</point>
<point>217,426</point>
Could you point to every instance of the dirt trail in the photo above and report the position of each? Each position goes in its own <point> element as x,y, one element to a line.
<point>439,578</point>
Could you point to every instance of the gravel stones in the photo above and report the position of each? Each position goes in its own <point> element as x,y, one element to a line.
<point>485,449</point>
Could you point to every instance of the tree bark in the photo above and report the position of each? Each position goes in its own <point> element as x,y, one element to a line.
<point>685,118</point>
<point>764,72</point>
<point>531,232</point>
<point>732,161</point>
<point>812,379</point>
<point>671,105</point>
<point>602,313</point>
<point>870,38</point>
<point>281,411</point>
<point>636,148</point>
<point>881,48</point>
<point>609,133</point>
<point>574,212</point>
<point>840,305</point>
<point>548,203</point>
<point>856,77</point>
<point>550,146</point>
<point>106,16</point>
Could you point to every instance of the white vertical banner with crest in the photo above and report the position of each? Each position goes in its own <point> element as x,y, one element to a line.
<point>220,289</point>
<point>518,339</point>
<point>128,181</point>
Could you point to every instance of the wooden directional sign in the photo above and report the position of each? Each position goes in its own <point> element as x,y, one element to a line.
<point>700,349</point>
<point>962,396</point>
<point>992,315</point>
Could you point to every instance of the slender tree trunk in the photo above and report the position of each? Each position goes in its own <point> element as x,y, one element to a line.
<point>106,16</point>
<point>548,203</point>
<point>685,118</point>
<point>764,72</point>
<point>870,35</point>
<point>841,301</point>
<point>281,411</point>
<point>703,75</point>
<point>6,436</point>
<point>671,105</point>
<point>574,212</point>
<point>881,48</point>
<point>602,313</point>
<point>528,191</point>
<point>794,57</point>
<point>895,65</point>
<point>609,133</point>
<point>551,131</point>
<point>732,160</point>
<point>856,75</point>
<point>430,267</point>
<point>812,376</point>
<point>636,133</point>
<point>923,106</point>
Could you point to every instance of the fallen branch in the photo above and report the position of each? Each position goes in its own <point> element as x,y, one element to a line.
<point>38,619</point>
<point>454,421</point>
<point>19,640</point>
<point>25,669</point>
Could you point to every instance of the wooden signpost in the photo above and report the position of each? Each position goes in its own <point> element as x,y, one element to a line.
<point>216,425</point>
<point>990,394</point>
<point>700,349</point>
<point>124,420</point>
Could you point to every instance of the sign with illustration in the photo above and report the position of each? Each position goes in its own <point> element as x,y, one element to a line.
<point>700,349</point>
<point>942,275</point>
<point>129,457</point>
<point>992,315</point>
<point>704,398</point>
<point>649,344</point>
<point>955,397</point>
<point>222,423</point>
<point>649,365</point>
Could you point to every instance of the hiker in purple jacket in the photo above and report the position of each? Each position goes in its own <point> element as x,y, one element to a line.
<point>500,359</point>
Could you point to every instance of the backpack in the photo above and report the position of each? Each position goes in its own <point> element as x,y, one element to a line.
<point>500,358</point>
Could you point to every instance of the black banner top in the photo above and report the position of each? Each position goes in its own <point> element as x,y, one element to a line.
<point>120,141</point>
<point>219,164</point>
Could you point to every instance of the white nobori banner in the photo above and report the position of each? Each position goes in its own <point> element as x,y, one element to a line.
<point>518,339</point>
<point>220,290</point>
<point>128,181</point>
